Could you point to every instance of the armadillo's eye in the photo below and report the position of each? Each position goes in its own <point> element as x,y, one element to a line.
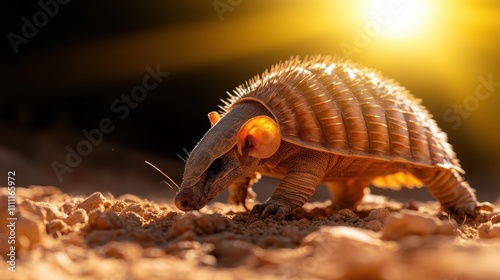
<point>214,168</point>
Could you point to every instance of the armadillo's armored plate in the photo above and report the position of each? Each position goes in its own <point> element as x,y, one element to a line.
<point>332,105</point>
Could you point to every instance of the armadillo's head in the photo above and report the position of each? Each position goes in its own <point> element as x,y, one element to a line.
<point>230,150</point>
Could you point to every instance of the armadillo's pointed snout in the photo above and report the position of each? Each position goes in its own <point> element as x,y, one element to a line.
<point>184,201</point>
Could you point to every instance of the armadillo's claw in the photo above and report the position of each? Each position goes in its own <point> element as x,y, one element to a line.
<point>472,210</point>
<point>241,191</point>
<point>241,195</point>
<point>467,210</point>
<point>275,208</point>
<point>250,197</point>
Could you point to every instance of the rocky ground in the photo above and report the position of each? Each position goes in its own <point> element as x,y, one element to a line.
<point>59,236</point>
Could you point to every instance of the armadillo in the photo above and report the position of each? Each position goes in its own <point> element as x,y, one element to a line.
<point>322,120</point>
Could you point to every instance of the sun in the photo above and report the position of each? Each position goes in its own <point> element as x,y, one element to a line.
<point>398,18</point>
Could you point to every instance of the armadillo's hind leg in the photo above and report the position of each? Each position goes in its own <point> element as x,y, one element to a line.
<point>347,193</point>
<point>450,189</point>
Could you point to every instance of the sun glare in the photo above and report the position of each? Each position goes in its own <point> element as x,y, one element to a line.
<point>398,18</point>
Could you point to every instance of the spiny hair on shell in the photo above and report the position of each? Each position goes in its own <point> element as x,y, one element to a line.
<point>286,67</point>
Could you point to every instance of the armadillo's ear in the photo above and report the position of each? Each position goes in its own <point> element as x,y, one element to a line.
<point>214,117</point>
<point>259,137</point>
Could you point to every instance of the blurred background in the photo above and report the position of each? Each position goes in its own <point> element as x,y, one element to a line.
<point>67,66</point>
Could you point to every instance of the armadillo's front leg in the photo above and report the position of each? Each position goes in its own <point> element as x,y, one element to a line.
<point>240,191</point>
<point>303,170</point>
<point>292,192</point>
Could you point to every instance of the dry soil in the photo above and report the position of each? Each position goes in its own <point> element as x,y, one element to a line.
<point>59,236</point>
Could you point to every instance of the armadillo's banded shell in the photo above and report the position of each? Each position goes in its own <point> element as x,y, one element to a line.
<point>333,105</point>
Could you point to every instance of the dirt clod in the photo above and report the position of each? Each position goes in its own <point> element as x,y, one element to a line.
<point>94,201</point>
<point>409,222</point>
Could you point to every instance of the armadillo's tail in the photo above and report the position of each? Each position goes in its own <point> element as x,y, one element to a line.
<point>450,189</point>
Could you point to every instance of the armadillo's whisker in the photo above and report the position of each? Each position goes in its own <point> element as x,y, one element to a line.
<point>170,179</point>
<point>166,183</point>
